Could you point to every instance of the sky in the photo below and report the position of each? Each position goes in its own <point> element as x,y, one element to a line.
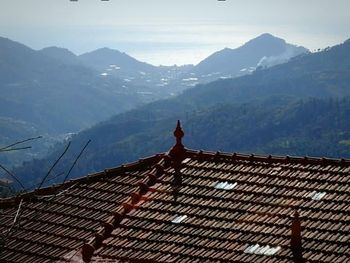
<point>171,32</point>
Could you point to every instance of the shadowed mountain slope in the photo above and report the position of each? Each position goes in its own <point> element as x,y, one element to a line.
<point>298,108</point>
<point>263,51</point>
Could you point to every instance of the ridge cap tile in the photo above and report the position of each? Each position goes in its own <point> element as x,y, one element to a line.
<point>220,224</point>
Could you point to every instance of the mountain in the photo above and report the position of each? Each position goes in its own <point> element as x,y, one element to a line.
<point>40,89</point>
<point>52,91</point>
<point>18,62</point>
<point>162,79</point>
<point>106,58</point>
<point>61,54</point>
<point>263,51</point>
<point>299,108</point>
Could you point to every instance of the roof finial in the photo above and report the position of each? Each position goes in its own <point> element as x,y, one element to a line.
<point>178,133</point>
<point>177,154</point>
<point>296,239</point>
<point>178,149</point>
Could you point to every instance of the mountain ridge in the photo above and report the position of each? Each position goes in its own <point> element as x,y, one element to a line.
<point>41,91</point>
<point>63,55</point>
<point>102,57</point>
<point>250,108</point>
<point>47,99</point>
<point>234,62</point>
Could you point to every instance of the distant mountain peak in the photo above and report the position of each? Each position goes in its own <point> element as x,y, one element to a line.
<point>106,49</point>
<point>265,39</point>
<point>268,36</point>
<point>264,50</point>
<point>61,54</point>
<point>103,57</point>
<point>57,50</point>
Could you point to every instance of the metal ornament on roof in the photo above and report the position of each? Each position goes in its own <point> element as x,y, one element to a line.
<point>177,155</point>
<point>178,150</point>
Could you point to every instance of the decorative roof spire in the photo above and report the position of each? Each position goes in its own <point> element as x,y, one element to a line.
<point>177,154</point>
<point>178,133</point>
<point>296,239</point>
<point>178,149</point>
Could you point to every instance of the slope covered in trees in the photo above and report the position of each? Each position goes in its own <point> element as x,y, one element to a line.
<point>282,126</point>
<point>298,108</point>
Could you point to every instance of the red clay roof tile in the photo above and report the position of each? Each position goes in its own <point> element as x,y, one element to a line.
<point>137,213</point>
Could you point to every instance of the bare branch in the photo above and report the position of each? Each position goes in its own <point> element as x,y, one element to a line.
<point>53,166</point>
<point>76,160</point>
<point>55,176</point>
<point>13,176</point>
<point>13,144</point>
<point>15,149</point>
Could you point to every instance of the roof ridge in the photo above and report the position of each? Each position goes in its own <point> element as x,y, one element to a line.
<point>268,158</point>
<point>53,189</point>
<point>12,201</point>
<point>112,222</point>
<point>50,190</point>
<point>133,198</point>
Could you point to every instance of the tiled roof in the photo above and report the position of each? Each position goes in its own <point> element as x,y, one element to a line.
<point>54,221</point>
<point>189,206</point>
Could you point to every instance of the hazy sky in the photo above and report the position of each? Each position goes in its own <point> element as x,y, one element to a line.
<point>172,31</point>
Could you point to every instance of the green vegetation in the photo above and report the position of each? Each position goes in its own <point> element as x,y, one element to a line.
<point>298,108</point>
<point>287,127</point>
<point>344,142</point>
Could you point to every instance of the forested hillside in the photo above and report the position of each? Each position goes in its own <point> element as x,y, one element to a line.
<point>53,92</point>
<point>298,108</point>
<point>279,126</point>
<point>41,90</point>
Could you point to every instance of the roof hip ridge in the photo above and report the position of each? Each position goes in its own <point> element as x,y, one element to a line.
<point>54,189</point>
<point>172,158</point>
<point>113,221</point>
